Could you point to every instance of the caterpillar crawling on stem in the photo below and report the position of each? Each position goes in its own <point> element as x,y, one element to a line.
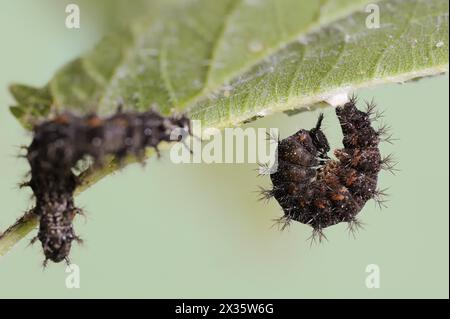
<point>60,143</point>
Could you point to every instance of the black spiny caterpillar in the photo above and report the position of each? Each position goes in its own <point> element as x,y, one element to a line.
<point>60,143</point>
<point>318,191</point>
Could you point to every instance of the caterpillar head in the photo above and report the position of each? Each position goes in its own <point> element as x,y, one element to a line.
<point>57,244</point>
<point>56,232</point>
<point>182,122</point>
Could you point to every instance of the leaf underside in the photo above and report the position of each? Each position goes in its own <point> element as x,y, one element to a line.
<point>229,61</point>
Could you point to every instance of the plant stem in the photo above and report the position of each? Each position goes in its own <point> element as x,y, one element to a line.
<point>16,232</point>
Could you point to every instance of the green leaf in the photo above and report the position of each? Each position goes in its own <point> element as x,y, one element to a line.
<point>33,103</point>
<point>229,61</point>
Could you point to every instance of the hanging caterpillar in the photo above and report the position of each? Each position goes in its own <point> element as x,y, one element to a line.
<point>318,191</point>
<point>60,143</point>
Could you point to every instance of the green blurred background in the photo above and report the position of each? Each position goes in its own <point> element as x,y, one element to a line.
<point>198,231</point>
